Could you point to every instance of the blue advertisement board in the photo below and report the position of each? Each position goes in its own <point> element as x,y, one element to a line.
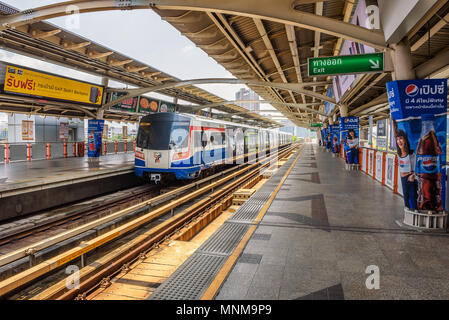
<point>335,138</point>
<point>418,110</point>
<point>349,132</point>
<point>328,107</point>
<point>94,137</point>
<point>327,139</point>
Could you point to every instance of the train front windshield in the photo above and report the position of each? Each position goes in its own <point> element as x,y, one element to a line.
<point>163,135</point>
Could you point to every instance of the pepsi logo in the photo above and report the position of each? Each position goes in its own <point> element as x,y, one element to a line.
<point>412,90</point>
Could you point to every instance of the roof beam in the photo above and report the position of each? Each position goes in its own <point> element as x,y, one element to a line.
<point>280,11</point>
<point>118,63</point>
<point>135,69</point>
<point>72,46</point>
<point>437,27</point>
<point>269,46</point>
<point>38,34</point>
<point>301,106</point>
<point>283,86</point>
<point>99,55</point>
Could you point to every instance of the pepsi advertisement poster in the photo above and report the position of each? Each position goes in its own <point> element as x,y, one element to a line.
<point>349,131</point>
<point>418,110</point>
<point>335,138</point>
<point>94,137</point>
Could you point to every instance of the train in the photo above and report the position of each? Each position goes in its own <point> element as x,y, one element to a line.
<point>184,147</point>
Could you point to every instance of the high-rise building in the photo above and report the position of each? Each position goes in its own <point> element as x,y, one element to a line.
<point>245,94</point>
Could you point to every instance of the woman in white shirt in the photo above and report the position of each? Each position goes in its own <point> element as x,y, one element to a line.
<point>406,162</point>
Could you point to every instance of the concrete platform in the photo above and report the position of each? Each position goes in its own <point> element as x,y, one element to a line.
<point>324,228</point>
<point>27,187</point>
<point>24,174</point>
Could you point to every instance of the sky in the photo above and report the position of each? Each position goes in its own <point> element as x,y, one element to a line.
<point>139,34</point>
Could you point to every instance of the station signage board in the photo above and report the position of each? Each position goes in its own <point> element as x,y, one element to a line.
<point>349,64</point>
<point>23,81</point>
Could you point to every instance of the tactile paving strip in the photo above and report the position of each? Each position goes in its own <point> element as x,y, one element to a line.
<point>224,240</point>
<point>194,276</point>
<point>191,279</point>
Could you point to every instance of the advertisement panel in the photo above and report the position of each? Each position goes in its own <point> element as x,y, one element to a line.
<point>418,109</point>
<point>391,138</point>
<point>148,105</point>
<point>165,106</point>
<point>64,131</point>
<point>371,162</point>
<point>364,155</point>
<point>129,105</point>
<point>105,131</point>
<point>335,138</point>
<point>124,132</point>
<point>94,138</point>
<point>349,131</point>
<point>379,168</point>
<point>382,134</point>
<point>328,107</point>
<point>360,17</point>
<point>28,82</point>
<point>27,130</point>
<point>389,173</point>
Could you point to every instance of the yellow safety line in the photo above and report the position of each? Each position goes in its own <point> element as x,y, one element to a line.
<point>210,293</point>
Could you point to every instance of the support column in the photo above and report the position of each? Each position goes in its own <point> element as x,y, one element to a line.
<point>105,83</point>
<point>343,110</point>
<point>95,161</point>
<point>402,60</point>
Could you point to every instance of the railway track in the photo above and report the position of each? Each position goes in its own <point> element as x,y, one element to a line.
<point>221,185</point>
<point>117,200</point>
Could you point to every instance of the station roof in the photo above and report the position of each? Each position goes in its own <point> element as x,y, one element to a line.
<point>251,48</point>
<point>43,40</point>
<point>270,41</point>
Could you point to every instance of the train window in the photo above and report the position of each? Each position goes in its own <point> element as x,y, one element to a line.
<point>157,135</point>
<point>179,137</point>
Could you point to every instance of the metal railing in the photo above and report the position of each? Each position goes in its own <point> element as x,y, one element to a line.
<point>14,152</point>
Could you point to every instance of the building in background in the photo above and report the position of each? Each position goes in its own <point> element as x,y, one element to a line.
<point>245,94</point>
<point>298,131</point>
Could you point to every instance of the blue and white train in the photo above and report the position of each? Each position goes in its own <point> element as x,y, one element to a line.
<point>182,146</point>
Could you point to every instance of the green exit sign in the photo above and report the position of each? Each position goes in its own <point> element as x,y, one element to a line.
<point>360,63</point>
<point>316,125</point>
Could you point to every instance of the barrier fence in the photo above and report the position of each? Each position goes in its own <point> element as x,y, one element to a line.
<point>56,150</point>
<point>382,166</point>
